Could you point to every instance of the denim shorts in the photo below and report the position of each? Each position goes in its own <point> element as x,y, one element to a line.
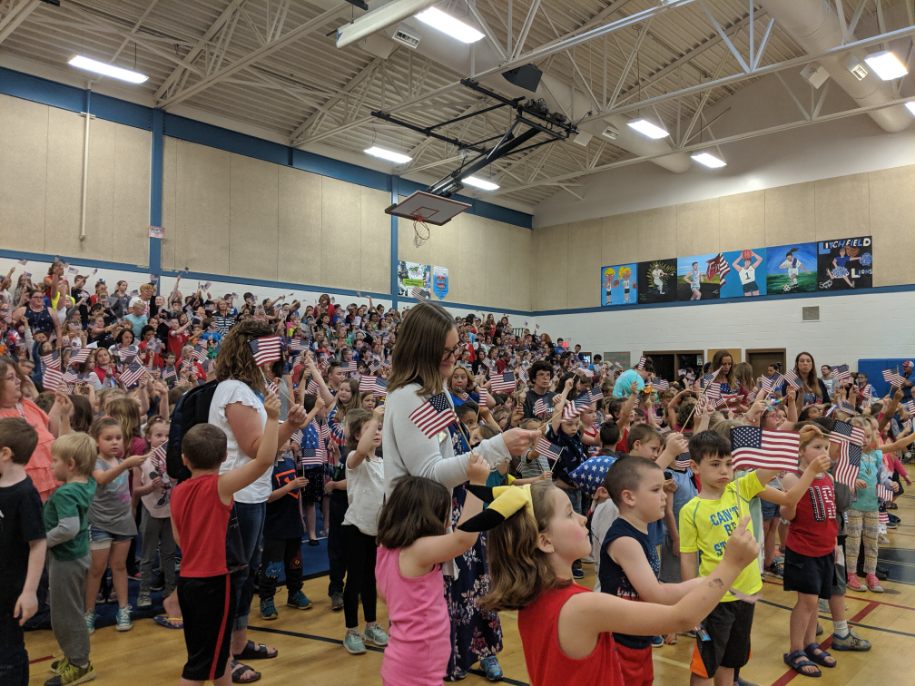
<point>99,539</point>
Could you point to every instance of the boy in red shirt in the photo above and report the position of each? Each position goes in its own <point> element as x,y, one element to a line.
<point>200,518</point>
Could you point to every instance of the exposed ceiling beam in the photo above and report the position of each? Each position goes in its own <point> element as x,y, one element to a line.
<point>18,13</point>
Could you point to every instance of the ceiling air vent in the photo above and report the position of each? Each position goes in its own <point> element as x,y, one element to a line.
<point>810,314</point>
<point>404,37</point>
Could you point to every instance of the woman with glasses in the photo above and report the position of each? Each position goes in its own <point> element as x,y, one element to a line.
<point>41,319</point>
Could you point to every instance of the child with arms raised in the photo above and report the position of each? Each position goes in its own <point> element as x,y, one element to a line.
<point>200,517</point>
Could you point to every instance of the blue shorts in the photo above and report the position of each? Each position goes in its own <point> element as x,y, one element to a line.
<point>99,539</point>
<point>769,510</point>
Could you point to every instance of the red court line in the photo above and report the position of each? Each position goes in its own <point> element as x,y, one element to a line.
<point>41,659</point>
<point>852,596</point>
<point>790,674</point>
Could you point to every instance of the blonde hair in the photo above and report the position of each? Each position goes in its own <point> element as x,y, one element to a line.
<point>809,433</point>
<point>79,447</point>
<point>127,412</point>
<point>419,349</point>
<point>518,570</point>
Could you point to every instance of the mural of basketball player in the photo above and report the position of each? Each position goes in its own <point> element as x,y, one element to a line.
<point>609,273</point>
<point>626,282</point>
<point>794,267</point>
<point>840,266</point>
<point>746,266</point>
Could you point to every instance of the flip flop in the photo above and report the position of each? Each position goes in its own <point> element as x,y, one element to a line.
<point>169,622</point>
<point>256,651</point>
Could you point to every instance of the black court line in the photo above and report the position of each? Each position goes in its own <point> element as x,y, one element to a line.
<point>850,623</point>
<point>336,641</point>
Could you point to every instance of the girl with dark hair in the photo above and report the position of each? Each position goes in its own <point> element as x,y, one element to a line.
<point>813,391</point>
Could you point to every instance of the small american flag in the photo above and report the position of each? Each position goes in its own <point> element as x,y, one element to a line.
<point>199,354</point>
<point>128,354</point>
<point>51,360</point>
<point>434,415</point>
<point>297,345</point>
<point>883,517</point>
<point>682,461</point>
<point>885,494</point>
<point>893,378</point>
<point>867,392</point>
<point>419,294</point>
<point>324,431</point>
<point>842,374</point>
<point>713,391</point>
<point>550,451</point>
<point>169,373</point>
<point>596,395</point>
<point>754,448</point>
<point>660,385</point>
<point>52,378</point>
<point>717,266</point>
<point>373,385</point>
<point>272,387</point>
<point>484,397</point>
<point>313,456</point>
<point>542,409</point>
<point>792,379</point>
<point>312,388</point>
<point>266,349</point>
<point>80,356</point>
<point>849,439</point>
<point>909,406</point>
<point>296,437</point>
<point>132,375</point>
<point>768,384</point>
<point>575,407</point>
<point>642,363</point>
<point>503,383</point>
<point>349,367</point>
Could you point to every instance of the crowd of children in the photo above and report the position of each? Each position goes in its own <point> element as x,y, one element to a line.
<point>631,473</point>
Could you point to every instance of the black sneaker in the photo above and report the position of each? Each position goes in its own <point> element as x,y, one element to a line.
<point>577,571</point>
<point>336,602</point>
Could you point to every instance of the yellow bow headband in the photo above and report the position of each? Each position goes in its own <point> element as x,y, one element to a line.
<point>504,501</point>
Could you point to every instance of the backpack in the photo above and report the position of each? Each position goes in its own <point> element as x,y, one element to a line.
<point>192,408</point>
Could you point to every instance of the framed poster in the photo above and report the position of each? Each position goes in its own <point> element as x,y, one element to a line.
<point>745,276</point>
<point>619,284</point>
<point>791,268</point>
<point>845,264</point>
<point>657,281</point>
<point>699,277</point>
<point>412,275</point>
<point>440,282</point>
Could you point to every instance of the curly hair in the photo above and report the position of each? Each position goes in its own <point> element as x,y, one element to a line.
<point>235,359</point>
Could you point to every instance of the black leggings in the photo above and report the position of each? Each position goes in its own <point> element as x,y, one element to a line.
<point>359,553</point>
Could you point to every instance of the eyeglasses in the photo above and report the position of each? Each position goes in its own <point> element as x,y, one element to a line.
<point>451,352</point>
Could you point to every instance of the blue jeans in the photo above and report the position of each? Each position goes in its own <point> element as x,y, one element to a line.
<point>251,525</point>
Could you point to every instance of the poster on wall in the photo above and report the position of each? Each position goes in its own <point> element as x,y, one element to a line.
<point>845,264</point>
<point>657,281</point>
<point>791,268</point>
<point>619,284</point>
<point>699,276</point>
<point>745,276</point>
<point>412,275</point>
<point>440,282</point>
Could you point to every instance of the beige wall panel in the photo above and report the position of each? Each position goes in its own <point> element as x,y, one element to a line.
<point>469,282</point>
<point>23,173</point>
<point>253,220</point>
<point>202,211</point>
<point>299,227</point>
<point>375,253</point>
<point>552,265</point>
<point>892,206</point>
<point>498,275</point>
<point>520,267</point>
<point>698,227</point>
<point>742,220</point>
<point>132,169</point>
<point>584,263</point>
<point>790,214</point>
<point>620,239</point>
<point>341,211</point>
<point>657,233</point>
<point>169,199</point>
<point>842,206</point>
<point>64,177</point>
<point>101,194</point>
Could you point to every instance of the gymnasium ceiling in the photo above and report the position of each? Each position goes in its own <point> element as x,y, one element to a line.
<point>271,68</point>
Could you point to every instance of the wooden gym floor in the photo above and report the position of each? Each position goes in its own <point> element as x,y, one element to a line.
<point>310,648</point>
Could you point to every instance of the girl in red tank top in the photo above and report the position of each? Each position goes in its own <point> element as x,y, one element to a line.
<point>566,630</point>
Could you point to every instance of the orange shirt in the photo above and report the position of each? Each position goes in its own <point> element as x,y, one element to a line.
<point>39,466</point>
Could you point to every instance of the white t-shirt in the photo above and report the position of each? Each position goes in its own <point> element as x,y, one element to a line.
<point>603,517</point>
<point>365,492</point>
<point>227,393</point>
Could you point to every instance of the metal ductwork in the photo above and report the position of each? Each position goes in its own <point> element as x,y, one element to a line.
<point>814,25</point>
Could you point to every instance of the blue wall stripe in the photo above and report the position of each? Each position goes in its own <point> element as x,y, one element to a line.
<point>395,244</point>
<point>155,189</point>
<point>727,301</point>
<point>70,98</point>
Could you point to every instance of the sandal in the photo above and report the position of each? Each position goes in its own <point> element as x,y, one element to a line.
<point>798,661</point>
<point>256,651</point>
<point>820,656</point>
<point>169,622</point>
<point>238,670</point>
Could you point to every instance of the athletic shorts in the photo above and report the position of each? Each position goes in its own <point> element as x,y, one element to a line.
<point>750,287</point>
<point>207,608</point>
<point>810,575</point>
<point>728,627</point>
<point>635,665</point>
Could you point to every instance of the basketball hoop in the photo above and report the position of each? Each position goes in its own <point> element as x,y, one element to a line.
<point>425,207</point>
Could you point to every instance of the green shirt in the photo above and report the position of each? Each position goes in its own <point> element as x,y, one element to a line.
<point>66,520</point>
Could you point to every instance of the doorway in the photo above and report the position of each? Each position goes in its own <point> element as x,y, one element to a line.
<point>668,363</point>
<point>761,359</point>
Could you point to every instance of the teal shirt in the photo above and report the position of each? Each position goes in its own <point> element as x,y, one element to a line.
<point>70,501</point>
<point>621,389</point>
<point>868,472</point>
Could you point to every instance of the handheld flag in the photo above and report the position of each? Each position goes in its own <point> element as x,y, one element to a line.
<point>132,375</point>
<point>434,415</point>
<point>550,451</point>
<point>893,378</point>
<point>80,356</point>
<point>484,397</point>
<point>909,407</point>
<point>850,439</point>
<point>884,493</point>
<point>660,385</point>
<point>843,376</point>
<point>754,448</point>
<point>642,363</point>
<point>792,379</point>
<point>503,383</point>
<point>373,385</point>
<point>682,461</point>
<point>542,409</point>
<point>266,350</point>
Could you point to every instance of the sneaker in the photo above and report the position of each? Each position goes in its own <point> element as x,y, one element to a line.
<point>873,584</point>
<point>883,539</point>
<point>854,583</point>
<point>299,601</point>
<point>122,619</point>
<point>70,675</point>
<point>268,609</point>
<point>458,675</point>
<point>58,665</point>
<point>819,631</point>
<point>491,668</point>
<point>353,642</point>
<point>144,601</point>
<point>892,525</point>
<point>375,635</point>
<point>577,571</point>
<point>90,621</point>
<point>850,642</point>
<point>336,602</point>
<point>657,641</point>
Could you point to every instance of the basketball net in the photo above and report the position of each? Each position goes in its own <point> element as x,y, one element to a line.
<point>421,232</point>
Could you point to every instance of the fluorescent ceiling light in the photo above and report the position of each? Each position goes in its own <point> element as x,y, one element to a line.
<point>646,128</point>
<point>89,64</point>
<point>389,155</point>
<point>482,184</point>
<point>886,65</point>
<point>445,23</point>
<point>910,106</point>
<point>709,160</point>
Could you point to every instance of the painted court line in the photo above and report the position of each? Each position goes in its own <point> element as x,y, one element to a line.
<point>848,596</point>
<point>40,659</point>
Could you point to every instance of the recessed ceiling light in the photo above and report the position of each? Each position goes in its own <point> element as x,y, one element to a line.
<point>886,65</point>
<point>89,64</point>
<point>646,128</point>
<point>910,106</point>
<point>389,155</point>
<point>709,160</point>
<point>447,24</point>
<point>482,184</point>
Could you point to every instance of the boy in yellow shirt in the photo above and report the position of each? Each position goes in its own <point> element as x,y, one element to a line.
<point>706,523</point>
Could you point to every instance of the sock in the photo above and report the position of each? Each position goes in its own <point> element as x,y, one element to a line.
<point>840,628</point>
